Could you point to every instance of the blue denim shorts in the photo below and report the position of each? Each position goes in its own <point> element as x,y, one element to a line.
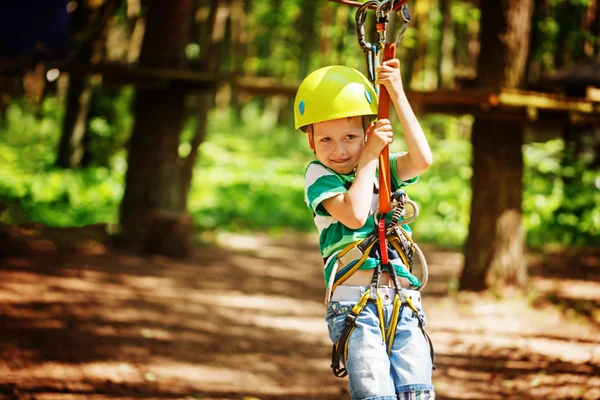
<point>372,373</point>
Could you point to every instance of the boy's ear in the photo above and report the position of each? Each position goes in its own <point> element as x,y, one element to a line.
<point>311,137</point>
<point>311,141</point>
<point>369,130</point>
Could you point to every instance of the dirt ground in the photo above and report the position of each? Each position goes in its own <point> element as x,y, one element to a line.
<point>244,319</point>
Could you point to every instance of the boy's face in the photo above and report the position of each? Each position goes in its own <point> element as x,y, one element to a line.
<point>338,143</point>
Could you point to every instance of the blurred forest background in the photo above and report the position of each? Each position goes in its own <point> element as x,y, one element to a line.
<point>131,130</point>
<point>219,77</point>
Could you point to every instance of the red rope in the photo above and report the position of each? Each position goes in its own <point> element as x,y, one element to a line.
<point>383,111</point>
<point>383,241</point>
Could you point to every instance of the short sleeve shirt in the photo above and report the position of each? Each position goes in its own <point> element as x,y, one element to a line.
<point>322,183</point>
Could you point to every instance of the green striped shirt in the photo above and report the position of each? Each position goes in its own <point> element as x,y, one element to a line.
<point>321,183</point>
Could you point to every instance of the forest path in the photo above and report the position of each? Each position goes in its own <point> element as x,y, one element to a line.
<point>245,319</point>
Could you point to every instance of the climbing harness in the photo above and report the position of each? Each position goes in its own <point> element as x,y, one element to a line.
<point>354,255</point>
<point>351,258</point>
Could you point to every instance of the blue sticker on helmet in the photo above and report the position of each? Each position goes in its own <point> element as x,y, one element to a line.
<point>368,96</point>
<point>301,107</point>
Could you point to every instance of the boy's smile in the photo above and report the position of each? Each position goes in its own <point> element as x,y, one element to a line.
<point>338,143</point>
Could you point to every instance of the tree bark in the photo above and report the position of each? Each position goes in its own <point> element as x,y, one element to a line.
<point>596,27</point>
<point>307,33</point>
<point>420,66</point>
<point>71,147</point>
<point>154,179</point>
<point>446,54</point>
<point>494,253</point>
<point>87,28</point>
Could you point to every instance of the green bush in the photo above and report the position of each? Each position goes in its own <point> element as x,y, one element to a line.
<point>250,176</point>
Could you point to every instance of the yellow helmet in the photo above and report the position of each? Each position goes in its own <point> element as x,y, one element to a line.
<point>333,92</point>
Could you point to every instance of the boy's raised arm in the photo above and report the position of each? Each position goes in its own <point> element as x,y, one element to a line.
<point>353,208</point>
<point>419,157</point>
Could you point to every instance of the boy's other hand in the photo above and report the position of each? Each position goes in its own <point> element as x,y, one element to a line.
<point>388,74</point>
<point>380,135</point>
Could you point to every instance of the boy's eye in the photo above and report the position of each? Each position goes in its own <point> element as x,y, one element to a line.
<point>326,139</point>
<point>351,137</point>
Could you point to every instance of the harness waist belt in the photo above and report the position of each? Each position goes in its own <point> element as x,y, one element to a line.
<point>354,293</point>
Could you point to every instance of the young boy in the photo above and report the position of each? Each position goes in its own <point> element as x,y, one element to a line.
<point>335,106</point>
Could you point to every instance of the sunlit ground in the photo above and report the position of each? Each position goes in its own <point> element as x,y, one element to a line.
<point>246,319</point>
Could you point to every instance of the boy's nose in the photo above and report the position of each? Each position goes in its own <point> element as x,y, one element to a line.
<point>339,148</point>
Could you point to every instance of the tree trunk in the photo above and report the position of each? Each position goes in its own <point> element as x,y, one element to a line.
<point>596,28</point>
<point>153,174</point>
<point>446,54</point>
<point>88,25</point>
<point>422,15</point>
<point>494,254</point>
<point>238,51</point>
<point>307,33</point>
<point>533,69</point>
<point>408,55</point>
<point>154,180</point>
<point>79,93</point>
<point>71,147</point>
<point>565,15</point>
<point>327,11</point>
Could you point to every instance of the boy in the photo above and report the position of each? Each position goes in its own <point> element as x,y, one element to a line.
<point>335,106</point>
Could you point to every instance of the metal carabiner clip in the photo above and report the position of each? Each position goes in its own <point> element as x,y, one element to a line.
<point>382,20</point>
<point>370,50</point>
<point>404,15</point>
<point>360,18</point>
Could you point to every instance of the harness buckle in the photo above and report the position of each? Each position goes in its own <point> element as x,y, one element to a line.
<point>353,254</point>
<point>350,319</point>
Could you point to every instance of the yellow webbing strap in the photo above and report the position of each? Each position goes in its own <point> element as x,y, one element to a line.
<point>355,267</point>
<point>395,242</point>
<point>348,248</point>
<point>390,334</point>
<point>380,313</point>
<point>411,305</point>
<point>357,309</point>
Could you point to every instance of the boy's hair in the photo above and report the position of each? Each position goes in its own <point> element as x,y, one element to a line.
<point>365,119</point>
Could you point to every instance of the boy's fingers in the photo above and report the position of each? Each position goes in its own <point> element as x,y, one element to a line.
<point>394,63</point>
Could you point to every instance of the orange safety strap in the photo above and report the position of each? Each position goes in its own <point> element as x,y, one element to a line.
<point>385,186</point>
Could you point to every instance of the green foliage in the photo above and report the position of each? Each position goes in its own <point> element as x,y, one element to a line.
<point>560,201</point>
<point>444,191</point>
<point>250,176</point>
<point>36,191</point>
<point>110,123</point>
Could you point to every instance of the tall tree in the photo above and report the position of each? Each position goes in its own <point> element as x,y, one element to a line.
<point>87,26</point>
<point>154,180</point>
<point>446,55</point>
<point>307,32</point>
<point>494,253</point>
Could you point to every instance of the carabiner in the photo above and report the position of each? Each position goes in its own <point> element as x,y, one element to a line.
<point>405,17</point>
<point>409,216</point>
<point>360,18</point>
<point>381,24</point>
